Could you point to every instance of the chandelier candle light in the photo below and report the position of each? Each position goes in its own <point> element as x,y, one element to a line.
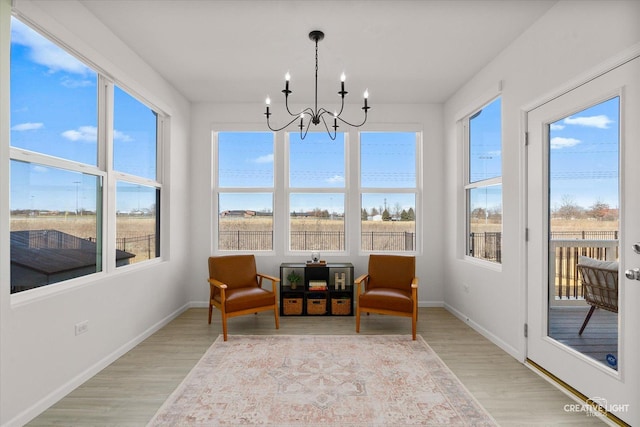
<point>316,115</point>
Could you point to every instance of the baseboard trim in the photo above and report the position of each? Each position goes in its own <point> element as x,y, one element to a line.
<point>42,405</point>
<point>485,333</point>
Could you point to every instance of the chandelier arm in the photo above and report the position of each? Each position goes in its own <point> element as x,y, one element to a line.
<point>279,129</point>
<point>335,131</point>
<point>302,137</point>
<point>351,124</point>
<point>341,106</point>
<point>286,104</point>
<point>324,111</point>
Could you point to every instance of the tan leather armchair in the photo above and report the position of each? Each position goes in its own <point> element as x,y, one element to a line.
<point>236,288</point>
<point>389,287</point>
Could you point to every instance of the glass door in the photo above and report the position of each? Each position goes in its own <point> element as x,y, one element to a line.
<point>582,220</point>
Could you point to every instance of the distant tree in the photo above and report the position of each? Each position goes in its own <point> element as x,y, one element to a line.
<point>386,216</point>
<point>374,212</point>
<point>411,215</point>
<point>495,213</point>
<point>364,216</point>
<point>569,209</point>
<point>599,210</point>
<point>397,210</point>
<point>479,213</point>
<point>404,215</point>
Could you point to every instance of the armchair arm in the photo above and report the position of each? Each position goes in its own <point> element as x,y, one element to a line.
<point>218,284</point>
<point>274,281</point>
<point>213,283</point>
<point>414,291</point>
<point>361,281</point>
<point>266,276</point>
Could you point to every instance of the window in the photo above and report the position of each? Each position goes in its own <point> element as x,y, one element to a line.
<point>388,181</point>
<point>135,136</point>
<point>137,225</point>
<point>483,186</point>
<point>55,231</point>
<point>135,145</point>
<point>54,101</point>
<point>316,192</point>
<point>59,169</point>
<point>245,182</point>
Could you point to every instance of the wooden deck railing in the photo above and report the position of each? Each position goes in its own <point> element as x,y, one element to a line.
<point>564,285</point>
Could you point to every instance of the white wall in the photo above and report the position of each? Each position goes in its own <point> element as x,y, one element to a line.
<point>572,38</point>
<point>41,359</point>
<point>428,118</point>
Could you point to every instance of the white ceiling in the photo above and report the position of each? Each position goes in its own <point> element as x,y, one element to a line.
<point>238,51</point>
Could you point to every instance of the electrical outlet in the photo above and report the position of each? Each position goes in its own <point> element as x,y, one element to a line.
<point>82,327</point>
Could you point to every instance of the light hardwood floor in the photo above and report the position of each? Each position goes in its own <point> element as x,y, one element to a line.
<point>129,391</point>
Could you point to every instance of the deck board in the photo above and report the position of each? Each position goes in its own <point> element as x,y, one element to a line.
<point>599,339</point>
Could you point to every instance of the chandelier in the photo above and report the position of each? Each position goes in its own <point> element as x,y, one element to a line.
<point>315,115</point>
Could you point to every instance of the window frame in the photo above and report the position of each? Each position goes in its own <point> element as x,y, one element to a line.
<point>103,170</point>
<point>469,185</point>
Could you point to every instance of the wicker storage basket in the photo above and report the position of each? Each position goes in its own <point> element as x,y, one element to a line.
<point>316,305</point>
<point>341,306</point>
<point>292,306</point>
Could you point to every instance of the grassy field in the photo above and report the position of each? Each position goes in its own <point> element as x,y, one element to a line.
<point>85,226</point>
<point>313,224</point>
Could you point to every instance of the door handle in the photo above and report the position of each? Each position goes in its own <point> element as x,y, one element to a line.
<point>633,274</point>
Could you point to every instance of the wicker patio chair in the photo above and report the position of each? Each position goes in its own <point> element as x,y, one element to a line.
<point>600,281</point>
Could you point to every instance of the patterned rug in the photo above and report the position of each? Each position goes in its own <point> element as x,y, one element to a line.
<point>320,380</point>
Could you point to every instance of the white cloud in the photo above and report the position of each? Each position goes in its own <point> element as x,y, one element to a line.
<point>556,126</point>
<point>40,169</point>
<point>76,83</point>
<point>121,136</point>
<point>43,52</point>
<point>600,122</point>
<point>336,178</point>
<point>83,133</point>
<point>559,142</point>
<point>27,126</point>
<point>267,158</point>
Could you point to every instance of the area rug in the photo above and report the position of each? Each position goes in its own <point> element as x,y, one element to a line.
<point>320,380</point>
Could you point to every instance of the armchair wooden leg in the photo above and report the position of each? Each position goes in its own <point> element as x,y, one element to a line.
<point>414,322</point>
<point>358,319</point>
<point>275,311</point>
<point>210,311</point>
<point>224,325</point>
<point>586,320</point>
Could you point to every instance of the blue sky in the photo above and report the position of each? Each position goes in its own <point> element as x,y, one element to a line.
<point>247,160</point>
<point>584,156</point>
<point>54,111</point>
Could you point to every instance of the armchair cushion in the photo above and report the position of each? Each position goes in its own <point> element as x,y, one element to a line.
<point>387,299</point>
<point>235,271</point>
<point>389,271</point>
<point>246,298</point>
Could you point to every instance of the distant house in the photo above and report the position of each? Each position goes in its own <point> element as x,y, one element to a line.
<point>243,214</point>
<point>42,257</point>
